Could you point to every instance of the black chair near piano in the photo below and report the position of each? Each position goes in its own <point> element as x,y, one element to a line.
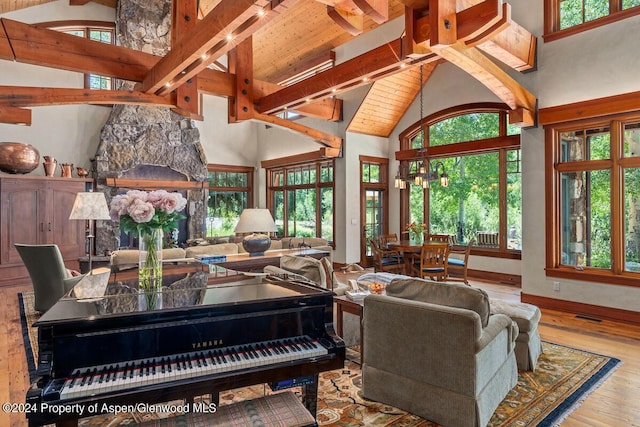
<point>50,277</point>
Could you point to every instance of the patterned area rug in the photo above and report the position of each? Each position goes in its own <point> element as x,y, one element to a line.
<point>564,377</point>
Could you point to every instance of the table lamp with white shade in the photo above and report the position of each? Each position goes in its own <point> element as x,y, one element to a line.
<point>90,206</point>
<point>256,221</point>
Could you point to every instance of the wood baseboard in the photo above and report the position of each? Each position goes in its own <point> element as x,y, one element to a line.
<point>586,310</point>
<point>490,276</point>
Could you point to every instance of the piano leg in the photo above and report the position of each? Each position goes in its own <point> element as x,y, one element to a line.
<point>67,423</point>
<point>310,396</point>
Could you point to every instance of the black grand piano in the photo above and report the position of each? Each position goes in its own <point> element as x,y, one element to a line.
<point>207,337</point>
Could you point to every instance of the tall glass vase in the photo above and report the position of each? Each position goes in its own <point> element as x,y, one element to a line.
<point>150,269</point>
<point>417,238</point>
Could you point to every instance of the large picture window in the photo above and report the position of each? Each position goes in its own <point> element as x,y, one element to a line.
<point>479,152</point>
<point>230,192</point>
<point>301,199</point>
<point>594,233</point>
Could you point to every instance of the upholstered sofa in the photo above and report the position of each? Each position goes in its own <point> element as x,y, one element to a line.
<point>129,257</point>
<point>435,350</point>
<point>230,248</point>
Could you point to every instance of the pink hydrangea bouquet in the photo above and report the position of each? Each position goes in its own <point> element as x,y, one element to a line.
<point>143,211</point>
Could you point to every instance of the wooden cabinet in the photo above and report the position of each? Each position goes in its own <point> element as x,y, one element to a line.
<point>35,210</point>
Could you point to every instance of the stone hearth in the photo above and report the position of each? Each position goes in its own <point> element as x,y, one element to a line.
<point>150,143</point>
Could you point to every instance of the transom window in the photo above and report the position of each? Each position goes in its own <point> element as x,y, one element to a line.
<point>102,32</point>
<point>565,17</point>
<point>301,199</point>
<point>230,192</point>
<point>595,230</point>
<point>480,153</point>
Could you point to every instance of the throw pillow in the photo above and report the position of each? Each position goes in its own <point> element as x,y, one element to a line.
<point>447,294</point>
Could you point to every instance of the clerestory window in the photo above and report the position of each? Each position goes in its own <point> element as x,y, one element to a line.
<point>566,17</point>
<point>103,32</point>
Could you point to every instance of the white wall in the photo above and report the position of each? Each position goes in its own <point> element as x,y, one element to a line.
<point>69,133</point>
<point>592,64</point>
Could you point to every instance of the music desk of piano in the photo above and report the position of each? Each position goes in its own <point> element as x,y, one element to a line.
<point>211,334</point>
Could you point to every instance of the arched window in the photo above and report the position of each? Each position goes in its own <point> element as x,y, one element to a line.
<point>478,152</point>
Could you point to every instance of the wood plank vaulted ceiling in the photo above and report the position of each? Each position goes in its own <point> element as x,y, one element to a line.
<point>304,32</point>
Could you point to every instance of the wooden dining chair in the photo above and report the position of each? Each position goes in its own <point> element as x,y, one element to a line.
<point>433,261</point>
<point>385,259</point>
<point>385,239</point>
<point>460,264</point>
<point>444,238</point>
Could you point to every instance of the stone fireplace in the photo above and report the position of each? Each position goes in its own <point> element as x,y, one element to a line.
<point>143,147</point>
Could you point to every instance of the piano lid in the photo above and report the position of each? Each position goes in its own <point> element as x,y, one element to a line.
<point>179,291</point>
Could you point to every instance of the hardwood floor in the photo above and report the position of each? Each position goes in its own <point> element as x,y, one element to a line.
<point>615,403</point>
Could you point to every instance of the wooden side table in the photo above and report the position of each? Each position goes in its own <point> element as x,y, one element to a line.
<point>345,305</point>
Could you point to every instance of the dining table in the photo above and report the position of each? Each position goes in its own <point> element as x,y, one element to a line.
<point>408,249</point>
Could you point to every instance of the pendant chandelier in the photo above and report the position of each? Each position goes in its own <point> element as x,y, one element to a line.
<point>419,172</point>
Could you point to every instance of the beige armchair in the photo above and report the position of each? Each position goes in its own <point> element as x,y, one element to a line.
<point>453,361</point>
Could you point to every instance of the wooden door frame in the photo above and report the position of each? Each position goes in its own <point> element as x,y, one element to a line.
<point>383,186</point>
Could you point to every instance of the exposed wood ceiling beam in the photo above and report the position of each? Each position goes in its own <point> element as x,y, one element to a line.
<point>489,74</point>
<point>363,69</point>
<point>184,17</point>
<point>351,23</point>
<point>41,46</point>
<point>296,71</point>
<point>14,115</point>
<point>326,108</point>
<point>386,60</point>
<point>320,137</point>
<point>378,10</point>
<point>495,17</point>
<point>5,47</point>
<point>27,96</point>
<point>228,24</point>
<point>49,48</point>
<point>241,64</point>
<point>349,14</point>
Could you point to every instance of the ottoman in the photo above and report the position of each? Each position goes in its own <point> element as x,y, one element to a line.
<point>528,344</point>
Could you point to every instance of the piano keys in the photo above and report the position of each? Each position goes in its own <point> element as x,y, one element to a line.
<point>210,338</point>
